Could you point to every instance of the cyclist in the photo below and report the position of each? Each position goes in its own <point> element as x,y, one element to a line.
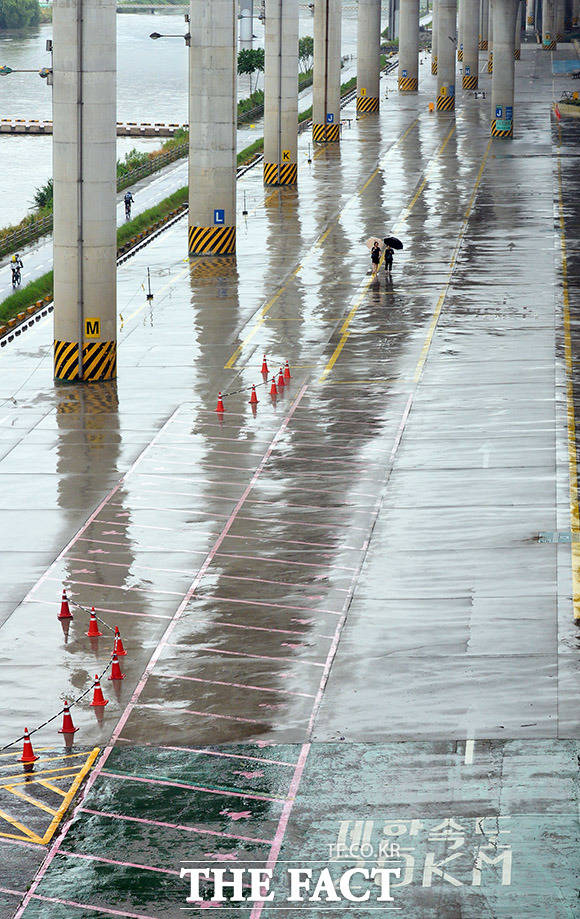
<point>128,199</point>
<point>17,266</point>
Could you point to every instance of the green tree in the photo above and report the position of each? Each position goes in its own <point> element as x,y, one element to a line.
<point>16,14</point>
<point>250,61</point>
<point>306,53</point>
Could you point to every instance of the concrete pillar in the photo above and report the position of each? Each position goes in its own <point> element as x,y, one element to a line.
<point>326,87</point>
<point>281,93</point>
<point>434,37</point>
<point>490,39</point>
<point>85,185</point>
<point>246,23</point>
<point>575,12</point>
<point>502,84</point>
<point>408,46</point>
<point>483,24</point>
<point>470,16</point>
<point>459,30</point>
<point>368,52</point>
<point>559,17</point>
<point>447,16</point>
<point>212,127</point>
<point>530,18</point>
<point>518,32</point>
<point>548,31</point>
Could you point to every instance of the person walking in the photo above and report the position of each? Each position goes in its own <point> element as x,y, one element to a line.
<point>388,259</point>
<point>375,258</point>
<point>128,199</point>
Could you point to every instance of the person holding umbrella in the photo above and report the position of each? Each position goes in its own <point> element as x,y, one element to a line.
<point>391,243</point>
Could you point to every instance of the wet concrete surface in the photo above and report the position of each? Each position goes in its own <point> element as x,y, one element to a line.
<point>359,597</point>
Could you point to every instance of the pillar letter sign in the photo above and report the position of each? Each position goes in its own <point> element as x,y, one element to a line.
<point>219,217</point>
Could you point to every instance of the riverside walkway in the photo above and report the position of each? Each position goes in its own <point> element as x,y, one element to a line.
<point>349,611</point>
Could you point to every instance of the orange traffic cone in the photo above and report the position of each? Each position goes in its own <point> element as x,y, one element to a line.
<point>65,612</point>
<point>119,649</point>
<point>264,366</point>
<point>27,752</point>
<point>281,379</point>
<point>93,625</point>
<point>116,670</point>
<point>273,390</point>
<point>67,722</point>
<point>287,371</point>
<point>98,697</point>
<point>253,397</point>
<point>220,405</point>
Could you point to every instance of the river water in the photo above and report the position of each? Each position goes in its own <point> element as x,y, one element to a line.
<point>151,86</point>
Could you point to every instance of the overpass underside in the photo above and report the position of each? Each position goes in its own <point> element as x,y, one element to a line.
<point>349,614</point>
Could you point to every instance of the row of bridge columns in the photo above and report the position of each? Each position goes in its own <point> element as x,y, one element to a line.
<point>84,132</point>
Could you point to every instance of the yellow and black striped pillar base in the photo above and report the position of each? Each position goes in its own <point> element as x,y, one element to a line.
<point>490,62</point>
<point>530,20</point>
<point>549,43</point>
<point>408,84</point>
<point>483,44</point>
<point>469,81</point>
<point>280,174</point>
<point>517,54</point>
<point>559,37</point>
<point>495,132</point>
<point>367,104</point>
<point>325,133</point>
<point>212,240</point>
<point>99,361</point>
<point>445,103</point>
<point>460,54</point>
<point>434,65</point>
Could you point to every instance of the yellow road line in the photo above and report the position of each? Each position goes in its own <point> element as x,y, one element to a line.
<point>30,800</point>
<point>443,294</point>
<point>70,795</point>
<point>368,281</point>
<point>572,455</point>
<point>317,243</point>
<point>24,831</point>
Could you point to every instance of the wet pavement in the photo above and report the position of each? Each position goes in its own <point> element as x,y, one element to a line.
<point>348,613</point>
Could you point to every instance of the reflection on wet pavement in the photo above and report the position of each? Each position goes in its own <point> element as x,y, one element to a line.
<point>404,476</point>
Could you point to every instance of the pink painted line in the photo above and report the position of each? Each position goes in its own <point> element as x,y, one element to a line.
<point>283,822</point>
<point>21,842</point>
<point>131,565</point>
<point>252,628</point>
<point>114,861</point>
<point>145,590</point>
<point>223,793</point>
<point>323,461</point>
<point>274,540</point>
<point>192,711</point>
<point>161,644</point>
<point>196,679</point>
<point>283,561</point>
<point>94,909</point>
<point>104,609</point>
<point>269,520</point>
<point>206,752</point>
<point>308,609</point>
<point>257,657</point>
<point>199,831</point>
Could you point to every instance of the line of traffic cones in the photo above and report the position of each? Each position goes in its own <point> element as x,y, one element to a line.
<point>284,376</point>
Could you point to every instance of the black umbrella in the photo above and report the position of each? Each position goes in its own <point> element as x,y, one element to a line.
<point>393,242</point>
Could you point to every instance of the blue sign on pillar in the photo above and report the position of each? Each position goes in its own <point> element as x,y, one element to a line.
<point>404,73</point>
<point>498,111</point>
<point>219,217</point>
<point>329,118</point>
<point>467,70</point>
<point>509,112</point>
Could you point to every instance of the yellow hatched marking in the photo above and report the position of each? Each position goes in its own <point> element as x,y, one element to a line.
<point>34,801</point>
<point>12,785</point>
<point>572,455</point>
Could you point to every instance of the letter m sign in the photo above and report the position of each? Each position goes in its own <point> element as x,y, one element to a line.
<point>92,328</point>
